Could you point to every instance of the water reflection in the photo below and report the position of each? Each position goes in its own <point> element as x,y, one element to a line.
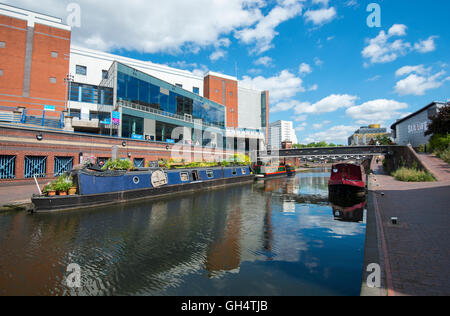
<point>278,237</point>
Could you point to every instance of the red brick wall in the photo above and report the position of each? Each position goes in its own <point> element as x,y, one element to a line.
<point>12,60</point>
<point>213,90</point>
<point>22,142</point>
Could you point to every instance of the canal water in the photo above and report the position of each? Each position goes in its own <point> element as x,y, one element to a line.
<point>275,237</point>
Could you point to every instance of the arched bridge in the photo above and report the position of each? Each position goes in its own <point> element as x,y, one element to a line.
<point>345,153</point>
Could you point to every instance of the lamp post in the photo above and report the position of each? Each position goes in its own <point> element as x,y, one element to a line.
<point>67,80</point>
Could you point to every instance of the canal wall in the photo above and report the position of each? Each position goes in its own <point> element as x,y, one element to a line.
<point>25,151</point>
<point>403,156</point>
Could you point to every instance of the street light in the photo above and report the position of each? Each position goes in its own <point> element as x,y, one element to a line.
<point>67,80</point>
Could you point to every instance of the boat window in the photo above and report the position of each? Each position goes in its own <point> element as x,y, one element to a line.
<point>184,176</point>
<point>210,174</point>
<point>244,171</point>
<point>234,171</point>
<point>136,180</point>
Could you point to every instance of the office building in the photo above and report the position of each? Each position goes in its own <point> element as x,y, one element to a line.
<point>281,131</point>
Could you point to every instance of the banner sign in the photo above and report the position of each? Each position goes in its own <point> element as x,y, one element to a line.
<point>49,108</point>
<point>138,137</point>
<point>116,118</point>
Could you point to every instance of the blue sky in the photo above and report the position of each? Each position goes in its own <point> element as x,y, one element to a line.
<point>325,68</point>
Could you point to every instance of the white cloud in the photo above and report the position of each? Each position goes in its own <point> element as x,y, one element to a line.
<point>281,86</point>
<point>426,46</point>
<point>318,61</point>
<point>376,111</point>
<point>283,106</point>
<point>264,61</point>
<point>382,49</point>
<point>301,127</point>
<point>321,16</point>
<point>417,84</point>
<point>151,25</point>
<point>218,54</point>
<point>305,69</point>
<point>264,32</point>
<point>329,104</point>
<point>314,87</point>
<point>301,118</point>
<point>335,134</point>
<point>406,70</point>
<point>374,78</point>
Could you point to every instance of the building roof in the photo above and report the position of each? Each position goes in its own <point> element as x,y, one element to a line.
<point>417,112</point>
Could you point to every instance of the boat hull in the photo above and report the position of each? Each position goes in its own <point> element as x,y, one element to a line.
<point>58,203</point>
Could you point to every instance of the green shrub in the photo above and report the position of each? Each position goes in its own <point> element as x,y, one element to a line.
<point>412,175</point>
<point>439,143</point>
<point>444,155</point>
<point>118,164</point>
<point>63,183</point>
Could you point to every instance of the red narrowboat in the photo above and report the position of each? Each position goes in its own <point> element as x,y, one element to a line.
<point>347,178</point>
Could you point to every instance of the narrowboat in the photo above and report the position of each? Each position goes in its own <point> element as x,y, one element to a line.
<point>96,188</point>
<point>290,170</point>
<point>264,172</point>
<point>347,179</point>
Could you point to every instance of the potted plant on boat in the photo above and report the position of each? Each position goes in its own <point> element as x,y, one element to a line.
<point>49,190</point>
<point>63,184</point>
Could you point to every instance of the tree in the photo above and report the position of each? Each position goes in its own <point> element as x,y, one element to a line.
<point>384,140</point>
<point>440,124</point>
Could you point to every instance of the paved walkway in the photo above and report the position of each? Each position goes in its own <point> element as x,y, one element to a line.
<point>438,167</point>
<point>17,194</point>
<point>418,250</point>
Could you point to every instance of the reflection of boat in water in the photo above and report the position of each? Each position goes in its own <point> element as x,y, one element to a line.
<point>348,208</point>
<point>347,178</point>
<point>353,213</point>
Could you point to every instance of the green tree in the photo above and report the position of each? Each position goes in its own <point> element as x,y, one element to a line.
<point>440,123</point>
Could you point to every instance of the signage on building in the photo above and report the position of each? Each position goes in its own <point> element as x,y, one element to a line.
<point>136,136</point>
<point>116,118</point>
<point>418,127</point>
<point>164,91</point>
<point>170,141</point>
<point>49,108</point>
<point>159,178</point>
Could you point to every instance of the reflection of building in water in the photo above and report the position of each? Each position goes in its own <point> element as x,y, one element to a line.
<point>288,206</point>
<point>225,254</point>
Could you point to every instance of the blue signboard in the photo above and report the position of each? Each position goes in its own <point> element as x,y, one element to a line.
<point>170,141</point>
<point>49,108</point>
<point>139,137</point>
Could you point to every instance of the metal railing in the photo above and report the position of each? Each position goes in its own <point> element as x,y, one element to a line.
<point>148,109</point>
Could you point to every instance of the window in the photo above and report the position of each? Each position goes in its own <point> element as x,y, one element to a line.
<point>196,90</point>
<point>217,91</point>
<point>184,176</point>
<point>244,171</point>
<point>1,72</point>
<point>81,70</point>
<point>234,171</point>
<point>52,80</point>
<point>179,85</point>
<point>104,74</point>
<point>54,55</point>
<point>2,45</point>
<point>209,174</point>
<point>231,93</point>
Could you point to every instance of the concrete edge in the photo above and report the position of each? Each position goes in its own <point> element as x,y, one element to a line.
<point>16,206</point>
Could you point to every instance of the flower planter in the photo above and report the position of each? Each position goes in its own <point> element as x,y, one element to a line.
<point>73,191</point>
<point>62,193</point>
<point>51,193</point>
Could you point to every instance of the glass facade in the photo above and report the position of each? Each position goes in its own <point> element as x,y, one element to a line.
<point>90,94</point>
<point>142,89</point>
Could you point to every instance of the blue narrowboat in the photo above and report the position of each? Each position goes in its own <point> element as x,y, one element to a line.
<point>109,187</point>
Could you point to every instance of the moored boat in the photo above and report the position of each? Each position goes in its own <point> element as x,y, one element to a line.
<point>109,187</point>
<point>347,178</point>
<point>270,171</point>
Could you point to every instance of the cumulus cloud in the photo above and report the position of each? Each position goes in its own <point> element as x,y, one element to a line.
<point>262,34</point>
<point>384,49</point>
<point>335,134</point>
<point>305,69</point>
<point>418,84</point>
<point>152,26</point>
<point>329,104</point>
<point>320,16</point>
<point>263,61</point>
<point>281,86</point>
<point>406,70</point>
<point>376,111</point>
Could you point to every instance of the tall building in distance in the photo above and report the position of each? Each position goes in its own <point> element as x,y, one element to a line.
<point>281,131</point>
<point>365,134</point>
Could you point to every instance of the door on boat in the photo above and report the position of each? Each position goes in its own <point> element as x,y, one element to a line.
<point>195,175</point>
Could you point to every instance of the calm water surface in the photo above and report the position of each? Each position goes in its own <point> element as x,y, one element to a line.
<point>278,237</point>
